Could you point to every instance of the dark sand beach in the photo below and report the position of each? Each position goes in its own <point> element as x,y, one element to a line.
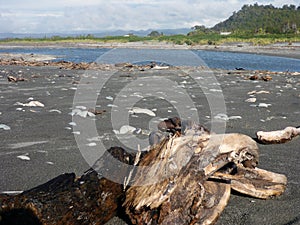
<point>38,143</point>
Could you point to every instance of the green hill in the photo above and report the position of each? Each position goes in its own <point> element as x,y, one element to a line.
<point>263,19</point>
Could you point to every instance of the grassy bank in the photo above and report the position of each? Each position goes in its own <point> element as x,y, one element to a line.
<point>217,39</point>
<point>195,39</point>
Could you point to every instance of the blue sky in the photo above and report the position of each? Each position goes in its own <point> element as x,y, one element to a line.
<point>48,16</point>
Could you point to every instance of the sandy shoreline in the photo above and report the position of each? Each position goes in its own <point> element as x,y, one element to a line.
<point>279,49</point>
<point>45,136</point>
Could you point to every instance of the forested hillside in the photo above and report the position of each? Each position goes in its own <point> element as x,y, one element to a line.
<point>263,19</point>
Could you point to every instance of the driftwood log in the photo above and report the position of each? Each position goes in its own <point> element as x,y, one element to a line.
<point>185,178</point>
<point>67,199</point>
<point>278,136</point>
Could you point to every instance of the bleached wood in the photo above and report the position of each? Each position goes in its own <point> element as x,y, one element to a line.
<point>278,136</point>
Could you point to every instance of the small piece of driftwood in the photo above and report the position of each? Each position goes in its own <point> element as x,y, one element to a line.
<point>15,79</point>
<point>97,111</point>
<point>278,136</point>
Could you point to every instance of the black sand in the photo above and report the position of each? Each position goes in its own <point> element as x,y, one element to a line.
<point>54,151</point>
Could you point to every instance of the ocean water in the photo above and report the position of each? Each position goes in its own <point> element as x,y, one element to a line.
<point>211,59</point>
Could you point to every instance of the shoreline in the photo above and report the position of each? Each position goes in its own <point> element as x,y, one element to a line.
<point>279,49</point>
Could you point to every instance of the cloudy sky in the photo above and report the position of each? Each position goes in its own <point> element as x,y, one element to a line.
<point>47,16</point>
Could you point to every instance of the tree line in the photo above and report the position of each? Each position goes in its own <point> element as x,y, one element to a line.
<point>259,19</point>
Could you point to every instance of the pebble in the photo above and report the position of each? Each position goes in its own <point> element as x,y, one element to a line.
<point>222,116</point>
<point>82,113</point>
<point>127,129</point>
<point>31,104</point>
<point>252,100</point>
<point>258,92</point>
<point>55,110</point>
<point>92,144</point>
<point>112,106</point>
<point>137,110</point>
<point>264,105</point>
<point>109,98</point>
<point>23,157</point>
<point>80,107</point>
<point>4,127</point>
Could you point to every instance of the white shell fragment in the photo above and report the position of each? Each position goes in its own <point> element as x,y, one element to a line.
<point>92,144</point>
<point>80,107</point>
<point>112,106</point>
<point>4,127</point>
<point>222,116</point>
<point>252,100</point>
<point>55,110</point>
<point>263,105</point>
<point>82,113</point>
<point>23,157</point>
<point>137,110</point>
<point>109,98</point>
<point>235,117</point>
<point>31,104</point>
<point>126,129</point>
<point>258,92</point>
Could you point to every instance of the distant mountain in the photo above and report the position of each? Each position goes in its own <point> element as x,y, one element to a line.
<point>31,35</point>
<point>96,33</point>
<point>263,18</point>
<point>143,32</point>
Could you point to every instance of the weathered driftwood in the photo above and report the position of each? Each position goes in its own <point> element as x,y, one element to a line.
<point>15,79</point>
<point>265,77</point>
<point>278,136</point>
<point>67,200</point>
<point>185,178</point>
<point>256,182</point>
<point>171,185</point>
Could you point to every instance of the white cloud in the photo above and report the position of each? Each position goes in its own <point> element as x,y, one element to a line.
<point>99,15</point>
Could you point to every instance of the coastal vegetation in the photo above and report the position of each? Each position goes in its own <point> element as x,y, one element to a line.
<point>196,39</point>
<point>263,19</point>
<point>255,24</point>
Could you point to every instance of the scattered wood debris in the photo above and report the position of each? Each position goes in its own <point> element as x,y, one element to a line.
<point>82,65</point>
<point>60,64</point>
<point>15,79</point>
<point>97,111</point>
<point>259,77</point>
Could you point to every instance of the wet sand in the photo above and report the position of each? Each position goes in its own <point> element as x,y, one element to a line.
<point>40,142</point>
